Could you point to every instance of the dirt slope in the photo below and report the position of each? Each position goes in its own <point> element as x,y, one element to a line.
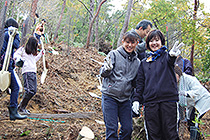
<point>71,76</point>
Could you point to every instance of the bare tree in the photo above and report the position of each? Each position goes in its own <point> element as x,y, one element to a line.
<point>91,24</point>
<point>59,22</point>
<point>90,17</point>
<point>96,28</point>
<point>125,25</point>
<point>193,41</point>
<point>3,17</point>
<point>28,24</point>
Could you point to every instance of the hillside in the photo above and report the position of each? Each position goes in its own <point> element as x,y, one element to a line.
<point>70,78</point>
<point>63,105</point>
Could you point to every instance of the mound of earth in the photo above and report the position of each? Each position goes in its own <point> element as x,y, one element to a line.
<point>63,104</point>
<point>71,76</point>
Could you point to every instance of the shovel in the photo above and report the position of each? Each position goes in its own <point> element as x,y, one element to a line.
<point>44,73</point>
<point>5,76</point>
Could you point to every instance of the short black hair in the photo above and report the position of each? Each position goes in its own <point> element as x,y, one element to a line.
<point>44,20</point>
<point>31,46</point>
<point>11,22</point>
<point>37,15</point>
<point>144,24</point>
<point>152,34</point>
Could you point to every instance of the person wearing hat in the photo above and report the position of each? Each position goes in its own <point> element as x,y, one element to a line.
<point>11,23</point>
<point>196,96</point>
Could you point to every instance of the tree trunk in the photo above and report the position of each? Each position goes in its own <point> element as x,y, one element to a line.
<point>90,18</point>
<point>96,29</point>
<point>125,25</point>
<point>193,41</point>
<point>28,25</point>
<point>59,22</point>
<point>91,24</point>
<point>3,17</point>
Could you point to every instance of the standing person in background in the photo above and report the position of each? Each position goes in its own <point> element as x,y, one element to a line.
<point>14,85</point>
<point>28,55</point>
<point>156,88</point>
<point>119,72</point>
<point>39,31</point>
<point>141,31</point>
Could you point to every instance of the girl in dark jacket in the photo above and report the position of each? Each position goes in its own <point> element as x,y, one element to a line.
<point>14,85</point>
<point>156,89</point>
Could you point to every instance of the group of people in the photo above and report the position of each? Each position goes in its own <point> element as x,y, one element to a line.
<point>28,54</point>
<point>153,78</point>
<point>133,77</point>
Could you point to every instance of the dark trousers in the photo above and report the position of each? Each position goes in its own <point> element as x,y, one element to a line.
<point>30,82</point>
<point>113,111</point>
<point>161,121</point>
<point>14,90</point>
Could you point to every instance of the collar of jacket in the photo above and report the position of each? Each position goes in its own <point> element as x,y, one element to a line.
<point>126,55</point>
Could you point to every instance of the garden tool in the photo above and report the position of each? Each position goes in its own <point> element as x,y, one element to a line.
<point>5,75</point>
<point>100,63</point>
<point>18,81</point>
<point>44,73</point>
<point>53,51</point>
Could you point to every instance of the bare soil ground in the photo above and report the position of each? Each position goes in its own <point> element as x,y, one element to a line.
<point>64,98</point>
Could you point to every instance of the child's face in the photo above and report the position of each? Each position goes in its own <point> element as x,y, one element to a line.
<point>155,43</point>
<point>129,45</point>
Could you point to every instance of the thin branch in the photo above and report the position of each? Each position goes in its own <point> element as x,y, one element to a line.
<point>86,8</point>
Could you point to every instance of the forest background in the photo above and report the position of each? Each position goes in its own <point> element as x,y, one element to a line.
<point>94,23</point>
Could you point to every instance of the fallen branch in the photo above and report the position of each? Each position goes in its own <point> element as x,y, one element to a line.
<point>69,115</point>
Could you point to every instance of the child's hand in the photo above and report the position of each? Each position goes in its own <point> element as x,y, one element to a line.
<point>108,65</point>
<point>175,50</point>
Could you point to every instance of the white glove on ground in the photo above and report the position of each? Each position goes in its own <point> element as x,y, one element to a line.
<point>175,50</point>
<point>108,65</point>
<point>135,107</point>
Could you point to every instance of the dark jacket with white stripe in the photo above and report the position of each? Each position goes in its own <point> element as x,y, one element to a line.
<point>156,81</point>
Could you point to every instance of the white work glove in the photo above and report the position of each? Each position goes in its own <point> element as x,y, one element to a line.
<point>108,65</point>
<point>135,107</point>
<point>175,50</point>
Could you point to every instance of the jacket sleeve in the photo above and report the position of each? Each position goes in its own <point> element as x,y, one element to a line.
<point>195,89</point>
<point>171,59</point>
<point>103,71</point>
<point>18,53</point>
<point>38,56</point>
<point>140,83</point>
<point>16,41</point>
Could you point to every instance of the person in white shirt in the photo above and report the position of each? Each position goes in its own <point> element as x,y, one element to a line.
<point>194,95</point>
<point>29,57</point>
